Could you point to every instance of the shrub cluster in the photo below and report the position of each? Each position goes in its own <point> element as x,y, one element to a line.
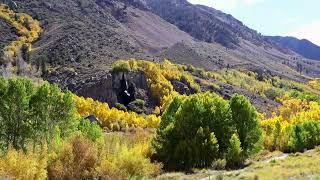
<point>159,77</point>
<point>28,29</point>
<point>19,165</point>
<point>128,158</point>
<point>270,87</point>
<point>199,129</point>
<point>113,157</point>
<point>315,84</point>
<point>114,119</point>
<point>295,128</point>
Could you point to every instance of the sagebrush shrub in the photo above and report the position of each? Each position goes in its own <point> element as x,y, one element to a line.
<point>19,165</point>
<point>125,158</point>
<point>77,160</point>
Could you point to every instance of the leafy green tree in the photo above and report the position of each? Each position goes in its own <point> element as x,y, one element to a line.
<point>234,153</point>
<point>196,130</point>
<point>49,108</point>
<point>15,95</point>
<point>64,112</point>
<point>244,117</point>
<point>311,134</point>
<point>168,115</point>
<point>191,131</point>
<point>208,147</point>
<point>90,130</point>
<point>33,114</point>
<point>297,144</point>
<point>305,136</point>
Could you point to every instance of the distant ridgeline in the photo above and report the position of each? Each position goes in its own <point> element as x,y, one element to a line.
<point>27,29</point>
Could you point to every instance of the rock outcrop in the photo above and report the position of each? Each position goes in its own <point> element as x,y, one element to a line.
<point>107,87</point>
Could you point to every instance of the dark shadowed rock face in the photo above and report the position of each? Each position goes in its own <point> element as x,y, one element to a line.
<point>136,87</point>
<point>182,87</point>
<point>107,87</point>
<point>98,89</point>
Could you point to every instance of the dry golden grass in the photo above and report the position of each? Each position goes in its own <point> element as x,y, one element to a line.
<point>295,166</point>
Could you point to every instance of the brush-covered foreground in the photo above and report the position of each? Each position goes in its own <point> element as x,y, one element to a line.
<point>43,136</point>
<point>113,156</point>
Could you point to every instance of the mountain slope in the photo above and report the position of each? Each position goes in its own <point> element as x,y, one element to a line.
<point>90,35</point>
<point>251,49</point>
<point>204,23</point>
<point>303,47</point>
<point>87,36</point>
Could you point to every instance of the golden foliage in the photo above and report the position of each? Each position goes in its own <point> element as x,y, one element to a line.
<point>159,77</point>
<point>292,112</point>
<point>245,80</point>
<point>117,156</point>
<point>315,84</point>
<point>21,166</point>
<point>77,159</point>
<point>127,157</point>
<point>113,118</point>
<point>27,28</point>
<point>270,87</point>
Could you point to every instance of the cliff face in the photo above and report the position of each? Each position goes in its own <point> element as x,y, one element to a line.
<point>107,87</point>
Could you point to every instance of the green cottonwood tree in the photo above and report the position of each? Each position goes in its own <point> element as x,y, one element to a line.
<point>15,95</point>
<point>244,117</point>
<point>234,153</point>
<point>191,131</point>
<point>198,129</point>
<point>32,114</point>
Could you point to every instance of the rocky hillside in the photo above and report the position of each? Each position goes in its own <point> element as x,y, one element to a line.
<point>204,23</point>
<point>86,36</point>
<point>303,46</point>
<point>213,26</point>
<point>7,34</point>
